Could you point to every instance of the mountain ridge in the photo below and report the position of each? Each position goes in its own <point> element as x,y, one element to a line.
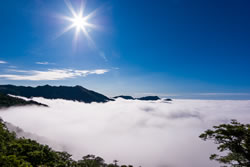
<point>9,101</point>
<point>76,93</point>
<point>145,98</point>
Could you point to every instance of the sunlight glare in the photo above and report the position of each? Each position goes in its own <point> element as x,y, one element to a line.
<point>79,21</point>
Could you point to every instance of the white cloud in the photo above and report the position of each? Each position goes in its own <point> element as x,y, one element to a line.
<point>43,63</point>
<point>2,62</point>
<point>18,71</point>
<point>51,74</point>
<point>150,134</point>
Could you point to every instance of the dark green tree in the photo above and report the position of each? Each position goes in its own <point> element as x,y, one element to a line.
<point>91,161</point>
<point>23,152</point>
<point>233,140</point>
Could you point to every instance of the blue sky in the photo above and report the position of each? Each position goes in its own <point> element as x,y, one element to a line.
<point>174,48</point>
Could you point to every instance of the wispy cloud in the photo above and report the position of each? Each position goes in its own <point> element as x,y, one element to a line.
<point>43,63</point>
<point>2,62</point>
<point>50,74</point>
<point>19,71</point>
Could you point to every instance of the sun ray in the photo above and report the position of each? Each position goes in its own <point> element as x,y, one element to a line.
<point>92,14</point>
<point>69,5</point>
<point>90,25</point>
<point>88,36</point>
<point>82,8</point>
<point>76,33</point>
<point>67,18</point>
<point>76,37</point>
<point>80,21</point>
<point>65,30</point>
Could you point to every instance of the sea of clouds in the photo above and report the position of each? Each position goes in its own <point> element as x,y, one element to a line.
<point>141,133</point>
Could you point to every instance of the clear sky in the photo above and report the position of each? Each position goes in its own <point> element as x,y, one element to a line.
<point>174,48</point>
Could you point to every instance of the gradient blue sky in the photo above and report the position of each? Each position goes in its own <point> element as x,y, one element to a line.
<point>175,48</point>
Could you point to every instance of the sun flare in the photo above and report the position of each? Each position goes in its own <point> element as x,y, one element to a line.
<point>80,21</point>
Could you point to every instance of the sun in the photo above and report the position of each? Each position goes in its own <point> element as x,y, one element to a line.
<point>79,21</point>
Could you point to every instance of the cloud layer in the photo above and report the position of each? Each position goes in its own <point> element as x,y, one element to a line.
<point>50,74</point>
<point>150,134</point>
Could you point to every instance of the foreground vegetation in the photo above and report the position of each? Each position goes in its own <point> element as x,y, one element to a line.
<point>233,140</point>
<point>21,152</point>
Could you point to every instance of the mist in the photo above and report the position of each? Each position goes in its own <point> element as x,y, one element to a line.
<point>141,133</point>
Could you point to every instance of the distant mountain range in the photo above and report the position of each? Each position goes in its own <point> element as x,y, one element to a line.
<point>125,97</point>
<point>149,98</point>
<point>141,98</point>
<point>146,98</point>
<point>76,93</point>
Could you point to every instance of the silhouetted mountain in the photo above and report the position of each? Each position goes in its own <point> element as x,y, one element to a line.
<point>149,98</point>
<point>153,98</point>
<point>168,100</point>
<point>77,93</point>
<point>8,101</point>
<point>125,97</point>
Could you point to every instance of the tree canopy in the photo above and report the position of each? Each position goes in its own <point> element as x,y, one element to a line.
<point>233,140</point>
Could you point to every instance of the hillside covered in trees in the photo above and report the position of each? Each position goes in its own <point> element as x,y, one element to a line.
<point>21,152</point>
<point>8,101</point>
